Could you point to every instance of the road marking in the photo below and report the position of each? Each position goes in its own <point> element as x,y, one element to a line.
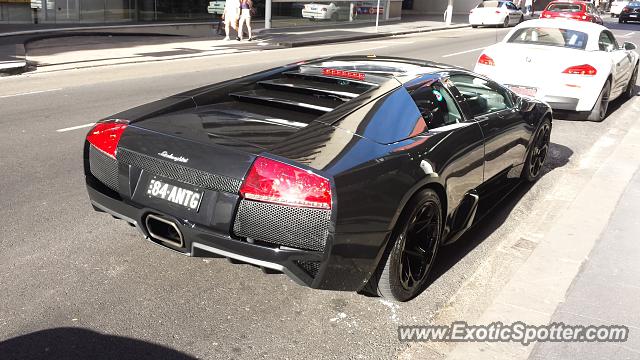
<point>28,93</point>
<point>463,52</point>
<point>76,127</point>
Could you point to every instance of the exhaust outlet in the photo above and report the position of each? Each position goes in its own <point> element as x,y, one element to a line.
<point>164,230</point>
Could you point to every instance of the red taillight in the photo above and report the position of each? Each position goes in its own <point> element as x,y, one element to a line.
<point>626,10</point>
<point>106,135</point>
<point>276,182</point>
<point>497,11</point>
<point>581,70</point>
<point>344,74</point>
<point>486,60</point>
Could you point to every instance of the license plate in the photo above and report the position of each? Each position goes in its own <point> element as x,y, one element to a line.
<point>174,194</point>
<point>633,15</point>
<point>523,90</point>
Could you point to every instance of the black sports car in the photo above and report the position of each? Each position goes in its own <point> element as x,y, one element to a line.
<point>631,12</point>
<point>345,173</point>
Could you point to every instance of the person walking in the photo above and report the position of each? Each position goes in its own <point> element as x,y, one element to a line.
<point>246,8</point>
<point>230,15</point>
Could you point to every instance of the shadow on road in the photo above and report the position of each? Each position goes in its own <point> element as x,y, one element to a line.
<point>78,343</point>
<point>495,216</point>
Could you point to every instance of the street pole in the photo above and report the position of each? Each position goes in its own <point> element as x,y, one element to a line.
<point>378,14</point>
<point>267,14</point>
<point>449,12</point>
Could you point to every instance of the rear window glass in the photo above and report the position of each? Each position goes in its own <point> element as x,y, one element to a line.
<point>490,4</point>
<point>634,4</point>
<point>551,37</point>
<point>565,7</point>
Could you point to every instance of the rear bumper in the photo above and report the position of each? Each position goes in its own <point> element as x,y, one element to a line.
<point>339,267</point>
<point>629,17</point>
<point>562,102</point>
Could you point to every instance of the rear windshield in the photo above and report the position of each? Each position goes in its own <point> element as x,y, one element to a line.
<point>565,7</point>
<point>634,4</point>
<point>490,4</point>
<point>551,37</point>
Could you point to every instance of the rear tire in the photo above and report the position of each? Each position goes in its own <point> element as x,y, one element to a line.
<point>538,153</point>
<point>474,26</point>
<point>413,246</point>
<point>630,92</point>
<point>521,19</point>
<point>599,111</point>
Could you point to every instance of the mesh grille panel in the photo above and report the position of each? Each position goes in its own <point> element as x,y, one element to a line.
<point>311,267</point>
<point>283,225</point>
<point>103,168</point>
<point>179,172</point>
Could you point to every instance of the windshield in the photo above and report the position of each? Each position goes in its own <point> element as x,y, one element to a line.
<point>634,4</point>
<point>550,37</point>
<point>565,7</point>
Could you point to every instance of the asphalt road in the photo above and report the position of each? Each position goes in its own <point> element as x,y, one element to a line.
<point>80,282</point>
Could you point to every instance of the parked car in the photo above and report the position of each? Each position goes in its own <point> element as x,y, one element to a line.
<point>315,11</point>
<point>574,10</point>
<point>501,13</point>
<point>631,12</point>
<point>572,65</point>
<point>617,6</point>
<point>345,173</point>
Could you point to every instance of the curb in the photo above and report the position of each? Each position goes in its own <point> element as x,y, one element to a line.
<point>292,44</point>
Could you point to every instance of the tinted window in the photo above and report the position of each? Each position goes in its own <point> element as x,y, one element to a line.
<point>550,37</point>
<point>436,106</point>
<point>481,96</point>
<point>510,6</point>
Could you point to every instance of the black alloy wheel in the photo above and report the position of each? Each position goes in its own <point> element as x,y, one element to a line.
<point>538,153</point>
<point>416,240</point>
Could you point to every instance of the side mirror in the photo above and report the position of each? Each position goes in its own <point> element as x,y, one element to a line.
<point>629,46</point>
<point>523,105</point>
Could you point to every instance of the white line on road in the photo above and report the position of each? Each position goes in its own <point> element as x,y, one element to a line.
<point>76,127</point>
<point>628,34</point>
<point>463,52</point>
<point>28,93</point>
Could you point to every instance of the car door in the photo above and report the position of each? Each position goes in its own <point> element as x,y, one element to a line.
<point>457,153</point>
<point>620,59</point>
<point>506,134</point>
<point>514,13</point>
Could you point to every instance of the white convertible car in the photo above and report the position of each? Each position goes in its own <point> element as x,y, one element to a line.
<point>320,11</point>
<point>572,65</point>
<point>501,13</point>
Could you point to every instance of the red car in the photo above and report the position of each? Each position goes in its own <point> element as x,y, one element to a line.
<point>576,10</point>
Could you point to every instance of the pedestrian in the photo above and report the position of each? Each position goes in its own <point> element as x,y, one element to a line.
<point>230,15</point>
<point>246,9</point>
<point>528,4</point>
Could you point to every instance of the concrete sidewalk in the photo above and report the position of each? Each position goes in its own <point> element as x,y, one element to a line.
<point>98,45</point>
<point>582,271</point>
